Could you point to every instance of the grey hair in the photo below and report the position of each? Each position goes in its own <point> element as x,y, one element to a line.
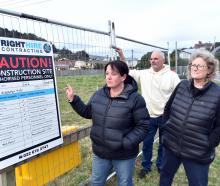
<point>210,60</point>
<point>160,53</point>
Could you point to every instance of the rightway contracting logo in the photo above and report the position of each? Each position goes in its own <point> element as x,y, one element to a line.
<point>47,48</point>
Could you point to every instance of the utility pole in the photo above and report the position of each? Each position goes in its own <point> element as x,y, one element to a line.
<point>132,51</point>
<point>214,42</point>
<point>168,53</point>
<point>176,57</point>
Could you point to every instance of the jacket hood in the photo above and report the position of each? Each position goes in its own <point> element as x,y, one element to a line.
<point>162,71</point>
<point>130,87</point>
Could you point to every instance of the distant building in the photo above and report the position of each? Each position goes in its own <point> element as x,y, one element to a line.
<point>80,64</point>
<point>64,64</point>
<point>203,45</point>
<point>186,53</point>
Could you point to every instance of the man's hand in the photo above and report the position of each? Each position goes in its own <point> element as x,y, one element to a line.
<point>120,53</point>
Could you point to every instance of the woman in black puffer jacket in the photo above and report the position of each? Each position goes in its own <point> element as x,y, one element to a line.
<point>192,127</point>
<point>119,123</point>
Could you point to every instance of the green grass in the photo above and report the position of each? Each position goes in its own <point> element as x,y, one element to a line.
<point>85,86</point>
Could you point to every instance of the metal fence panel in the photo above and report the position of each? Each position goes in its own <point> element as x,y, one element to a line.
<point>90,49</point>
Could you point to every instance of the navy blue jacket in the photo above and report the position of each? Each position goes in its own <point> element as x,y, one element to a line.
<point>192,128</point>
<point>119,123</point>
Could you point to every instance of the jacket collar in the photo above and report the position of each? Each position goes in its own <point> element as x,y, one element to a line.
<point>199,91</point>
<point>130,87</point>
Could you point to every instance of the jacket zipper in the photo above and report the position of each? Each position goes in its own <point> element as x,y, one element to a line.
<point>184,123</point>
<point>106,111</point>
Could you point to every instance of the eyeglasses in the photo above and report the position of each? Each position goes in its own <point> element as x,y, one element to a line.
<point>198,67</point>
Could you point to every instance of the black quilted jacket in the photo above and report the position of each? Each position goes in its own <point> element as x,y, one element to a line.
<point>192,129</point>
<point>119,124</point>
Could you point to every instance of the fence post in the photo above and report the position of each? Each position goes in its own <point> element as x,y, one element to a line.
<point>176,57</point>
<point>168,53</point>
<point>8,178</point>
<point>3,179</point>
<point>1,184</point>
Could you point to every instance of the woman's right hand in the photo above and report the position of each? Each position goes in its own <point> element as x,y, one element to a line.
<point>69,93</point>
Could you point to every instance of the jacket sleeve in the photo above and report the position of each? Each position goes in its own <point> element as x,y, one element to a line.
<point>214,137</point>
<point>135,74</point>
<point>81,108</point>
<point>141,124</point>
<point>168,105</point>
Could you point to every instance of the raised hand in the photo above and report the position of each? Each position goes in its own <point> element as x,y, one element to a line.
<point>120,53</point>
<point>69,93</point>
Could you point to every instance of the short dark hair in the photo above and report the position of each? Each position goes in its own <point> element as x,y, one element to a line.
<point>119,66</point>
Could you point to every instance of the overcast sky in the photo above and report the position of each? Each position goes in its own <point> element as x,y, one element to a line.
<point>150,21</point>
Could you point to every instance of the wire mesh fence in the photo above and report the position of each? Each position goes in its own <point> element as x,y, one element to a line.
<point>71,42</point>
<point>77,51</point>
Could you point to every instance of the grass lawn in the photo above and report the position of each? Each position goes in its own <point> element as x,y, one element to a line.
<point>85,86</point>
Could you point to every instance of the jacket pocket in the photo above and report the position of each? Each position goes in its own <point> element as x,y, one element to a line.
<point>113,139</point>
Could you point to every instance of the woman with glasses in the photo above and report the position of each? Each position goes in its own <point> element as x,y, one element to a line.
<point>192,123</point>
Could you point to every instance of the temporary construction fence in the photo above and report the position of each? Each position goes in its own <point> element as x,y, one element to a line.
<point>73,43</point>
<point>89,49</point>
<point>74,48</point>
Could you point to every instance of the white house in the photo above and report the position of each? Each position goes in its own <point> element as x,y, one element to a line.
<point>80,64</point>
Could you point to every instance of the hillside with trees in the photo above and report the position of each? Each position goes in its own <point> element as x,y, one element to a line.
<point>61,53</point>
